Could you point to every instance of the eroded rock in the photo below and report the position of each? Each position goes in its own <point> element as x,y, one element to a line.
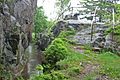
<point>16,22</point>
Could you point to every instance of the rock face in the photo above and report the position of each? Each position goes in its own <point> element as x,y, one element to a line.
<point>99,40</point>
<point>45,39</point>
<point>16,22</point>
<point>60,25</point>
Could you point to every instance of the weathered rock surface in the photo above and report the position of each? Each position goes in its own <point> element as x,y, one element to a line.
<point>83,37</point>
<point>16,22</point>
<point>45,39</point>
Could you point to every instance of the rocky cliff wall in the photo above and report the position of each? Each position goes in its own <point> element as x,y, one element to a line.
<point>16,23</point>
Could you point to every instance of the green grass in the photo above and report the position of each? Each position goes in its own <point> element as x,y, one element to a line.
<point>110,64</point>
<point>91,76</point>
<point>72,65</point>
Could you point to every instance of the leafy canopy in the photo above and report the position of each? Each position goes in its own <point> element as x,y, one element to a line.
<point>41,21</point>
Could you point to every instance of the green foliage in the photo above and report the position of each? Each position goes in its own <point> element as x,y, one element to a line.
<point>39,67</point>
<point>87,52</point>
<point>117,16</point>
<point>20,78</point>
<point>73,71</point>
<point>108,31</point>
<point>65,34</point>
<point>33,37</point>
<point>87,47</point>
<point>72,60</point>
<point>41,22</point>
<point>5,74</point>
<point>55,75</point>
<point>56,51</point>
<point>70,66</point>
<point>41,77</point>
<point>91,76</point>
<point>116,30</point>
<point>109,64</point>
<point>58,76</point>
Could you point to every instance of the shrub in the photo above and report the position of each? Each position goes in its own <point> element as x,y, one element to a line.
<point>56,51</point>
<point>55,75</point>
<point>65,34</point>
<point>41,77</point>
<point>58,76</point>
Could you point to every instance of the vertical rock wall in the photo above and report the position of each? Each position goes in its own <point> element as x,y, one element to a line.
<point>16,22</point>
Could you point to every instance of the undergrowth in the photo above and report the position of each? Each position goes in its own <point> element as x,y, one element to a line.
<point>65,63</point>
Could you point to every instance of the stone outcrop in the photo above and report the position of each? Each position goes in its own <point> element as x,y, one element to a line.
<point>45,39</point>
<point>16,22</point>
